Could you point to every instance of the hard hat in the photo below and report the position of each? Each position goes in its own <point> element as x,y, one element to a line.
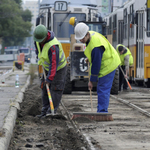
<point>40,33</point>
<point>80,30</point>
<point>72,21</point>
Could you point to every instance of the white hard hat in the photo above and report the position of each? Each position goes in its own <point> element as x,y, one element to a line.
<point>80,30</point>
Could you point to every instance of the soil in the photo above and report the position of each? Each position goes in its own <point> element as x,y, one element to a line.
<point>31,133</point>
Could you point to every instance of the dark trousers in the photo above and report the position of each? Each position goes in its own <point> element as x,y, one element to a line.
<point>56,89</point>
<point>122,80</point>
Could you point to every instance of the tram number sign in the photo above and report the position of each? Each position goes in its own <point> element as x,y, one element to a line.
<point>60,6</point>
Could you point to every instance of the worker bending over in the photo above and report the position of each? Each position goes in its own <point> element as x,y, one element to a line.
<point>51,55</point>
<point>126,60</point>
<point>103,60</point>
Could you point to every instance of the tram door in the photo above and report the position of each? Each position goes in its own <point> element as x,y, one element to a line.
<point>140,45</point>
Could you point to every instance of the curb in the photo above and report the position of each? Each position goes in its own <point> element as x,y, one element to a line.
<point>10,119</point>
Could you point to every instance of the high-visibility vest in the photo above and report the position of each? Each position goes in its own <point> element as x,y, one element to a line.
<point>43,56</point>
<point>110,59</point>
<point>123,55</point>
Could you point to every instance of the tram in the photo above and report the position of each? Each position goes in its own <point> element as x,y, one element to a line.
<point>55,16</point>
<point>130,25</point>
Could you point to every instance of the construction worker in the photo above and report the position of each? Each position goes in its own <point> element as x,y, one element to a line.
<point>126,60</point>
<point>51,55</point>
<point>103,60</point>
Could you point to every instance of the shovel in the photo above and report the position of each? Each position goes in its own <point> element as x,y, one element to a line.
<point>125,78</point>
<point>49,94</point>
<point>53,116</point>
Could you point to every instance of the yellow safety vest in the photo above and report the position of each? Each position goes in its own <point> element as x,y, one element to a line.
<point>123,55</point>
<point>110,59</point>
<point>43,56</point>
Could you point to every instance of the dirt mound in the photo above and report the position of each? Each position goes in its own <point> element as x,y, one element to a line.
<point>49,133</point>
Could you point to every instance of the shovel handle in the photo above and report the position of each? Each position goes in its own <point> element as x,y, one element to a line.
<point>125,78</point>
<point>129,84</point>
<point>91,100</point>
<point>49,94</point>
<point>90,89</point>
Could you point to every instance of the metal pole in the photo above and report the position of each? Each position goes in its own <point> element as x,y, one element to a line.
<point>112,5</point>
<point>39,5</point>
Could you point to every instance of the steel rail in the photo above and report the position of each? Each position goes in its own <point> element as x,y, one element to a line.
<point>131,105</point>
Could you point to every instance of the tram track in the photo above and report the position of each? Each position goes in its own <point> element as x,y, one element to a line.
<point>130,129</point>
<point>131,113</point>
<point>137,100</point>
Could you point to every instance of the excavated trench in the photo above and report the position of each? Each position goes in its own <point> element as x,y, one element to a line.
<point>43,134</point>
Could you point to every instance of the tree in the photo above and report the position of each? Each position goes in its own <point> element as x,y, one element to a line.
<point>26,15</point>
<point>14,23</point>
<point>19,2</point>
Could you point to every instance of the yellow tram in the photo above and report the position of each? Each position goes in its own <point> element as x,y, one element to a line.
<point>130,25</point>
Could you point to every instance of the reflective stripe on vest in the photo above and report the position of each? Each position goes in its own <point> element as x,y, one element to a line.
<point>43,56</point>
<point>60,61</point>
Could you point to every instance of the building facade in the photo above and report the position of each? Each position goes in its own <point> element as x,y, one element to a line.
<point>107,6</point>
<point>33,6</point>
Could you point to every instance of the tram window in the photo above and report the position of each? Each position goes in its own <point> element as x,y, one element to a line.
<point>49,21</point>
<point>125,23</point>
<point>107,30</point>
<point>148,22</point>
<point>132,28</point>
<point>115,28</point>
<point>43,20</point>
<point>110,25</point>
<point>62,28</point>
<point>95,27</point>
<point>120,31</point>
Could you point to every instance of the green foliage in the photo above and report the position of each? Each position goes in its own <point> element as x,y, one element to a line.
<point>26,15</point>
<point>19,2</point>
<point>15,23</point>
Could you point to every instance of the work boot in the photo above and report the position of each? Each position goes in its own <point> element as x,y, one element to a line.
<point>42,115</point>
<point>48,113</point>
